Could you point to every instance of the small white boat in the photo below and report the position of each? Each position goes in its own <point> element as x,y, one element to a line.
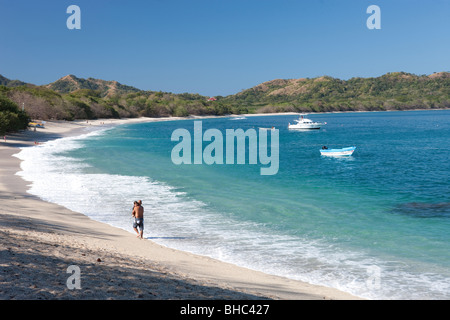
<point>238,118</point>
<point>337,152</point>
<point>305,124</point>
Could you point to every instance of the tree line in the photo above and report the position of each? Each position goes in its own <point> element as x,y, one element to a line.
<point>392,91</point>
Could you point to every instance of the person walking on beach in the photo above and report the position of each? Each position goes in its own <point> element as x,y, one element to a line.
<point>138,214</point>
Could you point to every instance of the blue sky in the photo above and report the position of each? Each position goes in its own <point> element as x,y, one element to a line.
<point>220,47</point>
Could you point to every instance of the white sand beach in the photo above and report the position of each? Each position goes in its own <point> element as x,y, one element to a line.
<point>40,240</point>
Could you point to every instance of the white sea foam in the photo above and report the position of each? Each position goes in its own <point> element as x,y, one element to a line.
<point>175,220</point>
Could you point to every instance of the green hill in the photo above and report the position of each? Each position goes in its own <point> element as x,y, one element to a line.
<point>392,91</point>
<point>76,98</point>
<point>71,83</point>
<point>72,98</point>
<point>11,83</point>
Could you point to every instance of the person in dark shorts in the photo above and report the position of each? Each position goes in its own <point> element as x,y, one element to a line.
<point>138,214</point>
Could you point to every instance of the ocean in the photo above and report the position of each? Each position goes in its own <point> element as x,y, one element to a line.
<point>375,224</point>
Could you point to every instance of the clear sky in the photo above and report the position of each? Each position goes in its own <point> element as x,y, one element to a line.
<point>220,47</point>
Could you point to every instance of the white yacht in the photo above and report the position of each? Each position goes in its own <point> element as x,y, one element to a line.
<point>305,124</point>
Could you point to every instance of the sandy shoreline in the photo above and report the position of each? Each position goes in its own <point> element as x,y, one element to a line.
<point>40,240</point>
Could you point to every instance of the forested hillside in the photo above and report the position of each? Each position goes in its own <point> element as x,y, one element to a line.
<point>72,98</point>
<point>392,91</point>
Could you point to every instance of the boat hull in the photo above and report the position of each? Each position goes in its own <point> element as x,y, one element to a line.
<point>314,126</point>
<point>344,152</point>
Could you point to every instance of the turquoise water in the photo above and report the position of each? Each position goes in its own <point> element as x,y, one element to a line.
<point>376,224</point>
